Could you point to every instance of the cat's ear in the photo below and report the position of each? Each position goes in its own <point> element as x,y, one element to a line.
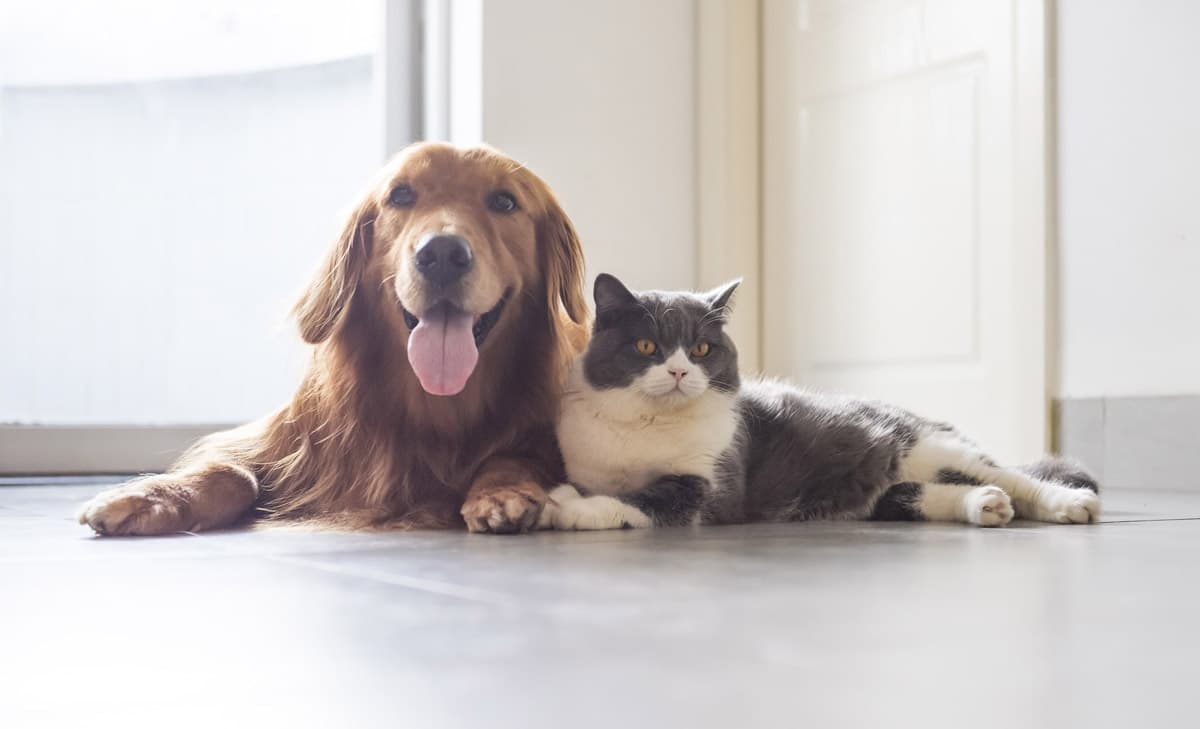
<point>720,299</point>
<point>610,293</point>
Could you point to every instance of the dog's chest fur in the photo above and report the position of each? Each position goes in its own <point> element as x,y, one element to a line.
<point>613,441</point>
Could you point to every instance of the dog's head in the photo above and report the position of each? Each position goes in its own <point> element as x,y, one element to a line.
<point>450,241</point>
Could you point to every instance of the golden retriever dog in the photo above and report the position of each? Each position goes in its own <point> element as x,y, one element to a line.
<point>442,322</point>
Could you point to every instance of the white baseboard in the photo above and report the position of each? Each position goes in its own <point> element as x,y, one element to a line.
<point>70,449</point>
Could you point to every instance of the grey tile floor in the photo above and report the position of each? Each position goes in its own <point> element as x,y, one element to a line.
<point>786,625</point>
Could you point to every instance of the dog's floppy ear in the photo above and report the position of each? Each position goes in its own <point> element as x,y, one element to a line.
<point>323,304</point>
<point>564,261</point>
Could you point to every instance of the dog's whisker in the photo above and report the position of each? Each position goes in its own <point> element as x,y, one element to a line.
<point>388,279</point>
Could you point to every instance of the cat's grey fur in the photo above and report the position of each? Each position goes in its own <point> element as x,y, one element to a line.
<point>645,445</point>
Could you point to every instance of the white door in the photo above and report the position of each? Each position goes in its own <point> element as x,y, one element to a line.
<point>903,202</point>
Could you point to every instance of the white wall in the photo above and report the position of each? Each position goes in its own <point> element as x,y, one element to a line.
<point>599,99</point>
<point>1129,196</point>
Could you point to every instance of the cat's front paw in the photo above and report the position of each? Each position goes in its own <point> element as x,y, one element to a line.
<point>558,496</point>
<point>988,506</point>
<point>594,513</point>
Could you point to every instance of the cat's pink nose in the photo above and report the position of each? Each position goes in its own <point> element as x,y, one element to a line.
<point>679,374</point>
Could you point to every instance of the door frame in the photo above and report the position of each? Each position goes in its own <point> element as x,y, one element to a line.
<point>728,161</point>
<point>1035,212</point>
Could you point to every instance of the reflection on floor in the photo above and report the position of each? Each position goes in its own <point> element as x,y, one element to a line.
<point>815,625</point>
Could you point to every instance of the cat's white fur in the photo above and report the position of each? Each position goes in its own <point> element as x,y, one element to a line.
<point>620,439</point>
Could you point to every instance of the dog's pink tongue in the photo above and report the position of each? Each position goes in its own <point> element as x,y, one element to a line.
<point>441,350</point>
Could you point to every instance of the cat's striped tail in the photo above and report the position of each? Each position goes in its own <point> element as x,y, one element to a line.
<point>1063,470</point>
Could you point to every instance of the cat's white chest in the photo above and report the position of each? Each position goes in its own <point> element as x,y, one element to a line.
<point>613,442</point>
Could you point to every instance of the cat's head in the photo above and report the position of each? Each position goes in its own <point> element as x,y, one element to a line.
<point>670,347</point>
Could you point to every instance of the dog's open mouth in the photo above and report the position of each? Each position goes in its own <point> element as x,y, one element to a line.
<point>443,347</point>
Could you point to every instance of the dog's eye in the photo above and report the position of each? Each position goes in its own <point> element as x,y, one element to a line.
<point>402,196</point>
<point>701,349</point>
<point>646,347</point>
<point>502,202</point>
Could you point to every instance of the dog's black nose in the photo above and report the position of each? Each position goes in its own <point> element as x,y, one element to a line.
<point>443,258</point>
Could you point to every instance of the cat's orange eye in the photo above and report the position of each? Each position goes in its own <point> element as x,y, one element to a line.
<point>701,349</point>
<point>646,347</point>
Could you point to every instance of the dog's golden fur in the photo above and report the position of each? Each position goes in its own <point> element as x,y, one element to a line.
<point>361,443</point>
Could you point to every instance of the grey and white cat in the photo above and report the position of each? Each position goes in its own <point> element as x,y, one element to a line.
<point>657,429</point>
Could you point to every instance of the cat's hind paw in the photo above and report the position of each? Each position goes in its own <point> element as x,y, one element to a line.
<point>1065,505</point>
<point>988,506</point>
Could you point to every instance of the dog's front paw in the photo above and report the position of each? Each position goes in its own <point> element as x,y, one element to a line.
<point>505,510</point>
<point>146,507</point>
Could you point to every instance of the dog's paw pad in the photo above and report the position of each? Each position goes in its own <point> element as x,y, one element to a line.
<point>504,510</point>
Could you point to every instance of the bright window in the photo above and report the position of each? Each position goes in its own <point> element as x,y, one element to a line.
<point>170,173</point>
